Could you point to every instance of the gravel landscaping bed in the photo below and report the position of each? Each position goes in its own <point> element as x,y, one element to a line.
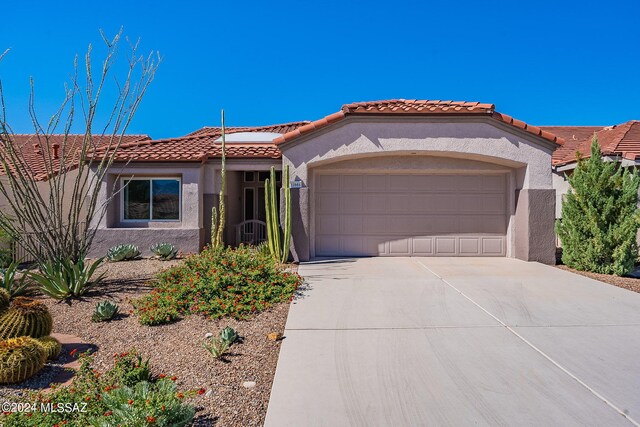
<point>176,349</point>
<point>629,283</point>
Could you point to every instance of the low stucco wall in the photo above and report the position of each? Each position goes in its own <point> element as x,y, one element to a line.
<point>187,240</point>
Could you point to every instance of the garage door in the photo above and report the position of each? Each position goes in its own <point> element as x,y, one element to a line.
<point>410,215</point>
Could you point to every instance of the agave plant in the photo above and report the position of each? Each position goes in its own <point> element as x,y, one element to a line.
<point>164,251</point>
<point>8,280</point>
<point>219,346</point>
<point>105,311</point>
<point>123,253</point>
<point>64,278</point>
<point>229,335</point>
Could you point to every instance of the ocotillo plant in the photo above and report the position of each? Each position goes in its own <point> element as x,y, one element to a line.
<point>218,216</point>
<point>279,248</point>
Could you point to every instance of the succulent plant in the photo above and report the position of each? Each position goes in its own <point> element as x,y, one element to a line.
<point>4,299</point>
<point>20,358</point>
<point>25,317</point>
<point>165,251</point>
<point>229,335</point>
<point>10,282</point>
<point>279,247</point>
<point>51,346</point>
<point>219,346</point>
<point>65,278</point>
<point>105,310</point>
<point>123,253</point>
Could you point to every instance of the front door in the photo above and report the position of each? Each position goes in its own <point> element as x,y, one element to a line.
<point>254,204</point>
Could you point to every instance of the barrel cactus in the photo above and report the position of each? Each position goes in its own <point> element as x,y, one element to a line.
<point>51,346</point>
<point>105,310</point>
<point>164,251</point>
<point>123,253</point>
<point>20,358</point>
<point>25,317</point>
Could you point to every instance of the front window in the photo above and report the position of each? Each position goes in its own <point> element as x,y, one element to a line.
<point>151,199</point>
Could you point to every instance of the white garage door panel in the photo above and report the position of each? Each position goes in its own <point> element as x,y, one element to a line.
<point>405,215</point>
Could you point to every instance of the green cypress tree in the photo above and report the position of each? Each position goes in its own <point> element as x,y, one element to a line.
<point>600,217</point>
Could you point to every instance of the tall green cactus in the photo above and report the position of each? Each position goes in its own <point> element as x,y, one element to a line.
<point>20,358</point>
<point>287,215</point>
<point>218,216</point>
<point>25,317</point>
<point>278,247</point>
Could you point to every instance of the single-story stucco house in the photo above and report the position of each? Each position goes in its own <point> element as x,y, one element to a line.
<point>383,178</point>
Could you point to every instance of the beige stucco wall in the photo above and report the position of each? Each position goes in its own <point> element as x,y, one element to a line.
<point>561,185</point>
<point>44,189</point>
<point>487,142</point>
<point>200,186</point>
<point>187,233</point>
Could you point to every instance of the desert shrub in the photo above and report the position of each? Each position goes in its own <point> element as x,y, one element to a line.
<point>130,368</point>
<point>215,283</point>
<point>145,404</point>
<point>98,400</point>
<point>64,278</point>
<point>599,217</point>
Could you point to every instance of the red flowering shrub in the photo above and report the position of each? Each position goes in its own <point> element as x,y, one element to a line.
<point>217,283</point>
<point>119,396</point>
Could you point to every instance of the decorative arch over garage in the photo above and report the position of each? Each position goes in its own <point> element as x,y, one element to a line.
<point>421,178</point>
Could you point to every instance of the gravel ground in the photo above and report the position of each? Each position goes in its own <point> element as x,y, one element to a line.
<point>629,283</point>
<point>176,349</point>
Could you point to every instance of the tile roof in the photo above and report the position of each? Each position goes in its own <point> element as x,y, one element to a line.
<point>36,150</point>
<point>279,128</point>
<point>620,140</point>
<point>417,108</point>
<point>200,145</point>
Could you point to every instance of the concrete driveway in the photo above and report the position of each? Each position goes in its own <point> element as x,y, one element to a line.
<point>454,341</point>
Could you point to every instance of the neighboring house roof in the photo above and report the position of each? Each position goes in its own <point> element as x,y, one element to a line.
<point>416,107</point>
<point>36,150</point>
<point>621,140</point>
<point>201,145</point>
<point>279,128</point>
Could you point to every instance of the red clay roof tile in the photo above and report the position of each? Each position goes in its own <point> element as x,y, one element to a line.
<point>201,144</point>
<point>416,107</point>
<point>619,140</point>
<point>36,150</point>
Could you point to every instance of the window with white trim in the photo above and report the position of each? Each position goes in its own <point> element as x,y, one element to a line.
<point>151,199</point>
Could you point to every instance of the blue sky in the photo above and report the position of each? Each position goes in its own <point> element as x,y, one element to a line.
<point>544,62</point>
